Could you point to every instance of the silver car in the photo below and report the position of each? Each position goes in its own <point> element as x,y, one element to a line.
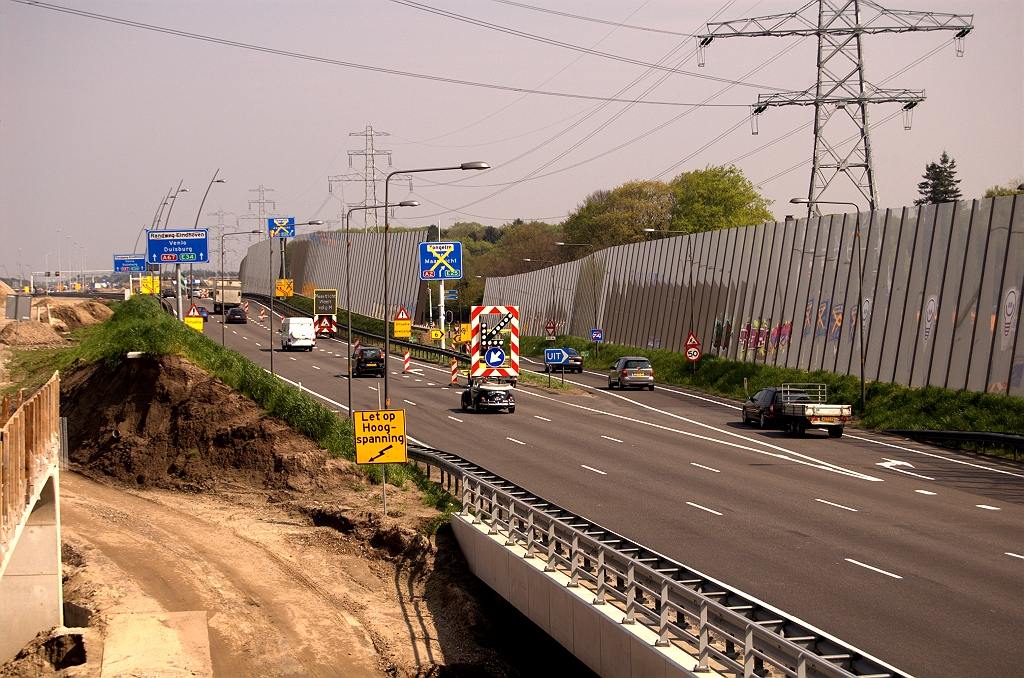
<point>632,371</point>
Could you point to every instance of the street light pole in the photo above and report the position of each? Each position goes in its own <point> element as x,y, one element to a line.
<point>213,181</point>
<point>348,284</point>
<point>223,314</point>
<point>593,263</point>
<point>387,226</point>
<point>273,285</point>
<point>860,284</point>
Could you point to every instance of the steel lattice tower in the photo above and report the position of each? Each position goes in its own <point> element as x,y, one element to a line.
<point>841,91</point>
<point>369,176</point>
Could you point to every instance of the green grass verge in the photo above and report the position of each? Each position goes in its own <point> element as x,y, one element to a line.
<point>889,406</point>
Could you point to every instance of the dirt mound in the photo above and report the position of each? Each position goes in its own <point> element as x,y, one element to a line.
<point>30,334</point>
<point>5,289</point>
<point>162,421</point>
<point>80,315</point>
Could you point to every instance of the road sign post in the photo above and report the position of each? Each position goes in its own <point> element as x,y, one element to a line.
<point>129,263</point>
<point>177,247</point>
<point>380,439</point>
<point>555,356</point>
<point>193,319</point>
<point>441,261</point>
<point>693,352</point>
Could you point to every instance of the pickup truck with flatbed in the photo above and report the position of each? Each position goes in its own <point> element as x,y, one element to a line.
<point>796,408</point>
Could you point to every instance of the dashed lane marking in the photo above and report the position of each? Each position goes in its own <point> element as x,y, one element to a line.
<point>315,367</point>
<point>610,438</point>
<point>930,494</point>
<point>291,358</point>
<point>312,393</point>
<point>454,419</point>
<point>703,508</point>
<point>987,507</point>
<point>937,456</point>
<point>887,574</point>
<point>537,416</point>
<point>519,442</point>
<point>708,468</point>
<point>409,401</point>
<point>1015,555</point>
<point>595,470</point>
<point>845,508</point>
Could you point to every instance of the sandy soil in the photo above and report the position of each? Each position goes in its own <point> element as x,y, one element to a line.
<point>201,502</point>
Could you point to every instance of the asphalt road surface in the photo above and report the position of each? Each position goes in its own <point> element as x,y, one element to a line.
<point>912,553</point>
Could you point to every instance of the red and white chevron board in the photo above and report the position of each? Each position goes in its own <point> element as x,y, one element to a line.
<point>479,367</point>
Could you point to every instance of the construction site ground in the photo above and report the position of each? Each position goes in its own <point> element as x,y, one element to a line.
<point>183,496</point>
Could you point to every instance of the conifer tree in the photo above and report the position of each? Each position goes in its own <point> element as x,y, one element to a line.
<point>940,182</point>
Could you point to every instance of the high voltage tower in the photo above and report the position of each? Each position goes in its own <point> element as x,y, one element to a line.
<point>261,208</point>
<point>841,86</point>
<point>369,174</point>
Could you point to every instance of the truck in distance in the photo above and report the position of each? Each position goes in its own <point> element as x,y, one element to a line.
<point>228,296</point>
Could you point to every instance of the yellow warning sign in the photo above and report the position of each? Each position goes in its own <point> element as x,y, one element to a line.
<point>149,285</point>
<point>380,437</point>
<point>285,287</point>
<point>402,324</point>
<point>436,334</point>
<point>465,335</point>
<point>194,323</point>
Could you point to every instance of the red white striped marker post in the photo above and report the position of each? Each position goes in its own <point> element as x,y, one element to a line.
<point>246,307</point>
<point>355,345</point>
<point>263,314</point>
<point>455,372</point>
<point>407,361</point>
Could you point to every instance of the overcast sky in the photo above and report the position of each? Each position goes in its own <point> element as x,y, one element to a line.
<point>98,120</point>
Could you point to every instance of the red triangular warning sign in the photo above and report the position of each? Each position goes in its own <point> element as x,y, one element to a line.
<point>193,312</point>
<point>402,314</point>
<point>692,340</point>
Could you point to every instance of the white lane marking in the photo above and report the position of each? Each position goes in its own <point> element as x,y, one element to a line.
<point>455,419</point>
<point>419,380</point>
<point>937,456</point>
<point>429,384</point>
<point>707,468</point>
<point>233,332</point>
<point>404,376</point>
<point>394,373</point>
<point>312,393</point>
<point>610,438</point>
<point>987,507</point>
<point>258,343</point>
<point>847,508</point>
<point>894,464</point>
<point>703,508</point>
<point>931,494</point>
<point>791,456</point>
<point>246,338</point>
<point>372,388</point>
<point>409,401</point>
<point>315,367</point>
<point>537,416</point>
<point>291,358</point>
<point>591,468</point>
<point>1015,555</point>
<point>514,440</point>
<point>444,388</point>
<point>888,574</point>
<point>322,350</point>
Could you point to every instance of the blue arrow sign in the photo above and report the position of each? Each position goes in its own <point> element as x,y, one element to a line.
<point>597,335</point>
<point>440,261</point>
<point>281,227</point>
<point>177,247</point>
<point>495,357</point>
<point>555,356</point>
<point>129,263</point>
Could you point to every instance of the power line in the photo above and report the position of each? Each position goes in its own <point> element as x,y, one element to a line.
<point>565,45</point>
<point>592,20</point>
<point>336,62</point>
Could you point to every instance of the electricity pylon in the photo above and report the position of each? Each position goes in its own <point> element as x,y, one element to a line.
<point>841,86</point>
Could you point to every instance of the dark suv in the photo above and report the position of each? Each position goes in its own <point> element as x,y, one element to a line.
<point>763,408</point>
<point>368,360</point>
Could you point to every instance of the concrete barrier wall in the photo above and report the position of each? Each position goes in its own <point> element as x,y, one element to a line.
<point>318,260</point>
<point>593,633</point>
<point>941,296</point>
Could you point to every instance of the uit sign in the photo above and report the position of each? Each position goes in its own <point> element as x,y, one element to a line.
<point>380,437</point>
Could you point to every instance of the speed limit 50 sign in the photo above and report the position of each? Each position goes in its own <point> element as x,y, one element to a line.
<point>693,354</point>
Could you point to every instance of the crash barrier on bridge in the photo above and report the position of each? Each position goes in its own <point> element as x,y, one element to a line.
<point>1005,440</point>
<point>620,607</point>
<point>30,572</point>
<point>423,352</point>
<point>940,306</point>
<point>318,260</point>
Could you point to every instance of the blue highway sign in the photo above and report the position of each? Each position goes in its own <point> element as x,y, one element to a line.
<point>440,261</point>
<point>495,357</point>
<point>451,295</point>
<point>597,335</point>
<point>177,247</point>
<point>281,227</point>
<point>555,356</point>
<point>129,263</point>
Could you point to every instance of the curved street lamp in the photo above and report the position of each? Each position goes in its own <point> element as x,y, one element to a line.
<point>348,284</point>
<point>177,267</point>
<point>387,180</point>
<point>860,283</point>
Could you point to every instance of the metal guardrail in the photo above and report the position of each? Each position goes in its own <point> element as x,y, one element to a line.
<point>418,351</point>
<point>983,438</point>
<point>727,630</point>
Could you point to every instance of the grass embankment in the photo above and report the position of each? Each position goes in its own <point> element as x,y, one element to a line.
<point>140,324</point>
<point>889,406</point>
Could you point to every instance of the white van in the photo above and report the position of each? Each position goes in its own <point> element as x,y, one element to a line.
<point>297,333</point>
